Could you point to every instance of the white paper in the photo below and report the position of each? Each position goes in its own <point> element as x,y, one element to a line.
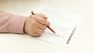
<point>63,24</point>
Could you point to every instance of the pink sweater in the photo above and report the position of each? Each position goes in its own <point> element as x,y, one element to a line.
<point>11,23</point>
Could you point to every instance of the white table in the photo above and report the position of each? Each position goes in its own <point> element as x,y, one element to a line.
<point>81,42</point>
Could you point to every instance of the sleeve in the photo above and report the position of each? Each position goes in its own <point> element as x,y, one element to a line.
<point>11,23</point>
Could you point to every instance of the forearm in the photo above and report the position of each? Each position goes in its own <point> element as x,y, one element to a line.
<point>11,23</point>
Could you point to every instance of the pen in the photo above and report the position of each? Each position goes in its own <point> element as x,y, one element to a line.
<point>47,26</point>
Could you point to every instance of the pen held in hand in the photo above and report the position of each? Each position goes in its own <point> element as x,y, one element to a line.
<point>47,26</point>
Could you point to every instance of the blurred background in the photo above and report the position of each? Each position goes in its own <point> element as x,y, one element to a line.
<point>83,8</point>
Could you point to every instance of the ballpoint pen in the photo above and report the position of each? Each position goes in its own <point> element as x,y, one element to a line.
<point>47,26</point>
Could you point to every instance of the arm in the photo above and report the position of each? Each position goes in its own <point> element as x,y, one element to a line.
<point>11,23</point>
<point>33,25</point>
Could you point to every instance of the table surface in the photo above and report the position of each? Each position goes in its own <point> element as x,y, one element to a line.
<point>82,41</point>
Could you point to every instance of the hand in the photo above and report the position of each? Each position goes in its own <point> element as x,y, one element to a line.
<point>36,24</point>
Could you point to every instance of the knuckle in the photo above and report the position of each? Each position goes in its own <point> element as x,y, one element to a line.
<point>40,32</point>
<point>43,16</point>
<point>35,34</point>
<point>46,23</point>
<point>44,27</point>
<point>41,19</point>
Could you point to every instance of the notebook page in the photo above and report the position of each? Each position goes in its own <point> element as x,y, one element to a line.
<point>62,23</point>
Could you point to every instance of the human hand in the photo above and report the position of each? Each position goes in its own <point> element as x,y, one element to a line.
<point>36,24</point>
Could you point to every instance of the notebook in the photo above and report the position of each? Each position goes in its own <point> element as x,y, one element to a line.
<point>63,23</point>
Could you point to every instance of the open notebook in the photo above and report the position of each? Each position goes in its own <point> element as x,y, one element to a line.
<point>62,22</point>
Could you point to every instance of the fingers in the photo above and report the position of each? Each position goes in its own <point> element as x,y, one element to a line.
<point>36,28</point>
<point>40,26</point>
<point>36,24</point>
<point>42,15</point>
<point>40,20</point>
<point>35,34</point>
<point>37,31</point>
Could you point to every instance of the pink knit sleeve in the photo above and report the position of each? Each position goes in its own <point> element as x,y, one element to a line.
<point>11,23</point>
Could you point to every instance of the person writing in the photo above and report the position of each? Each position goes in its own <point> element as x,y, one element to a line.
<point>33,25</point>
